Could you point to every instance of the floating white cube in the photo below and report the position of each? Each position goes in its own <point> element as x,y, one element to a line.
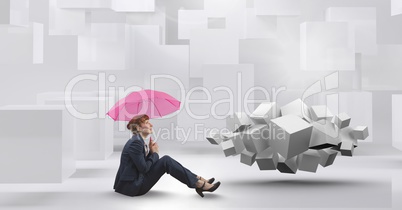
<point>342,120</point>
<point>264,113</point>
<point>309,160</point>
<point>287,165</point>
<point>232,146</point>
<point>238,121</point>
<point>291,135</point>
<point>255,138</point>
<point>327,156</point>
<point>267,159</point>
<point>360,132</point>
<point>247,157</point>
<point>347,148</point>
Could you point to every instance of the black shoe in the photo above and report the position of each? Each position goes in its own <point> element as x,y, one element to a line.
<point>201,190</point>
<point>210,181</point>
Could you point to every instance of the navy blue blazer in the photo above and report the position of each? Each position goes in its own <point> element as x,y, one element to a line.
<point>134,164</point>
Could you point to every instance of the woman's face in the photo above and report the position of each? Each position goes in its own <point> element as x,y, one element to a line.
<point>146,127</point>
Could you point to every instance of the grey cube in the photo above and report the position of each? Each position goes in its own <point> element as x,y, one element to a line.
<point>342,120</point>
<point>256,138</point>
<point>347,148</point>
<point>327,157</point>
<point>247,157</point>
<point>267,159</point>
<point>309,160</point>
<point>324,135</point>
<point>360,132</point>
<point>264,113</point>
<point>287,165</point>
<point>232,146</point>
<point>238,121</point>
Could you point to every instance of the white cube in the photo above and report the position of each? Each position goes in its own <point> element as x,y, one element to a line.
<point>342,120</point>
<point>267,159</point>
<point>238,121</point>
<point>327,156</point>
<point>247,157</point>
<point>255,138</point>
<point>309,160</point>
<point>36,144</point>
<point>291,135</point>
<point>264,113</point>
<point>360,132</point>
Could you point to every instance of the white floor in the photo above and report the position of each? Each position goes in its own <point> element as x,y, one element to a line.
<point>371,179</point>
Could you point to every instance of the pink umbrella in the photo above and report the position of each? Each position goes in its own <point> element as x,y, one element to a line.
<point>151,102</point>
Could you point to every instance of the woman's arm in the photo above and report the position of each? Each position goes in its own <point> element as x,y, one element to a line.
<point>137,155</point>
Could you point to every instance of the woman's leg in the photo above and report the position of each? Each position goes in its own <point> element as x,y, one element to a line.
<point>168,165</point>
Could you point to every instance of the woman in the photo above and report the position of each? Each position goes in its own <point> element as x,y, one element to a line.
<point>140,167</point>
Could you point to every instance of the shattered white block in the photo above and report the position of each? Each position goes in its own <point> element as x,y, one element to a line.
<point>287,165</point>
<point>247,157</point>
<point>238,121</point>
<point>267,159</point>
<point>347,148</point>
<point>264,113</point>
<point>278,7</point>
<point>325,46</point>
<point>214,138</point>
<point>325,134</point>
<point>296,107</point>
<point>309,160</point>
<point>360,132</point>
<point>342,120</point>
<point>255,138</point>
<point>346,134</point>
<point>232,146</point>
<point>320,113</point>
<point>327,156</point>
<point>291,135</point>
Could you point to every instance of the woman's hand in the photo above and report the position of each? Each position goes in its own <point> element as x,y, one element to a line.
<point>153,146</point>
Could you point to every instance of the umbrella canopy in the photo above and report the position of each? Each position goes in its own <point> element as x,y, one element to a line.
<point>151,102</point>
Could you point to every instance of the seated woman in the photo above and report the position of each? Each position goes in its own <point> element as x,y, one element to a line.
<point>140,167</point>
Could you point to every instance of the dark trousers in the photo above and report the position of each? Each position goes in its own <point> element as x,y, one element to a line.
<point>166,164</point>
